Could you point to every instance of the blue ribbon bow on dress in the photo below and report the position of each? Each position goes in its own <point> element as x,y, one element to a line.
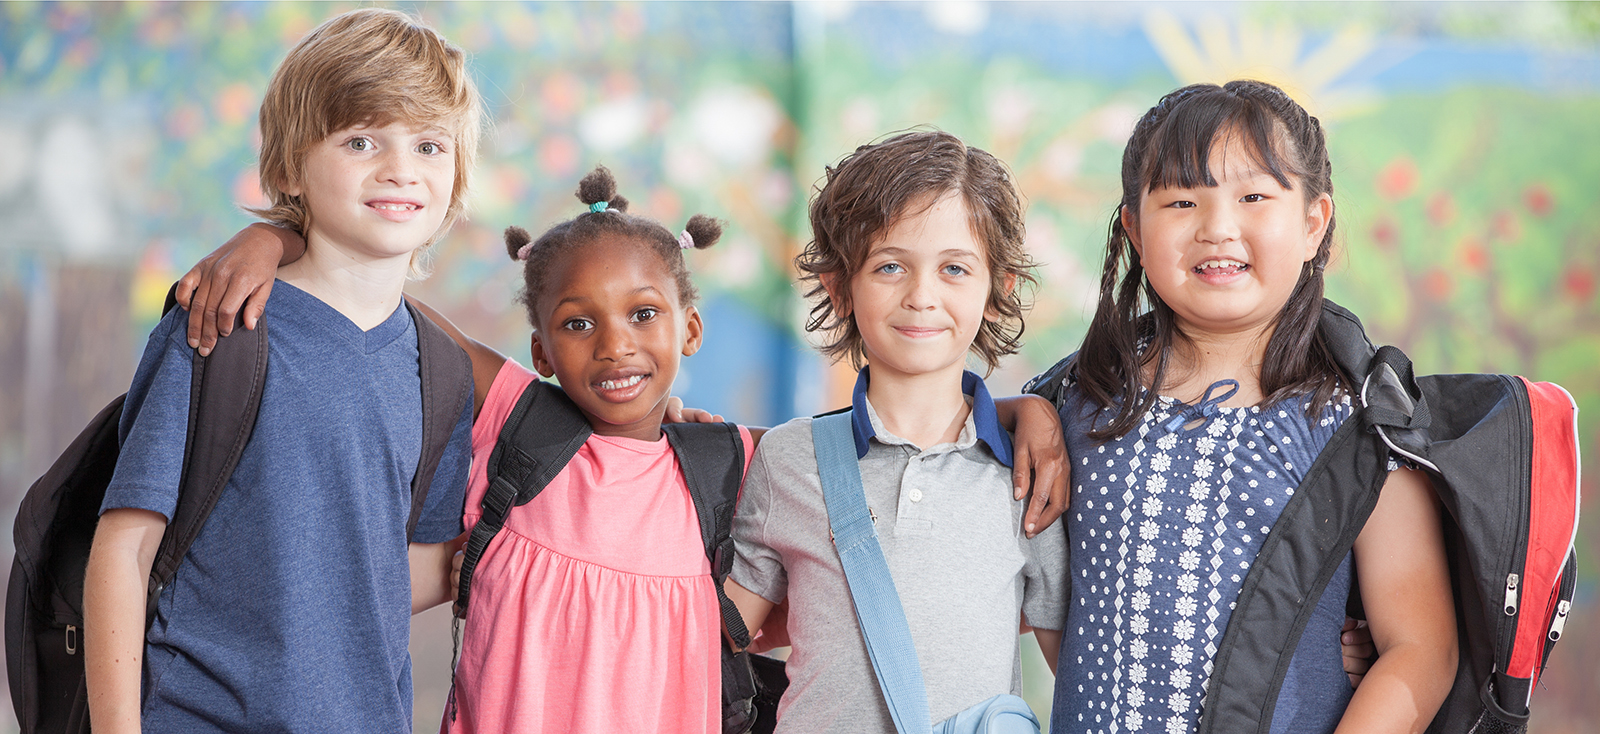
<point>1203,410</point>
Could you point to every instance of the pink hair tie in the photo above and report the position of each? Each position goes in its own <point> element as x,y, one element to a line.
<point>685,240</point>
<point>523,251</point>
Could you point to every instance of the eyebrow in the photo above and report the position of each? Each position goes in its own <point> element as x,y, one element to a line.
<point>898,251</point>
<point>634,292</point>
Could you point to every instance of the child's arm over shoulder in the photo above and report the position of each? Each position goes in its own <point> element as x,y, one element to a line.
<point>1405,588</point>
<point>125,544</point>
<point>239,274</point>
<point>1039,457</point>
<point>1045,588</point>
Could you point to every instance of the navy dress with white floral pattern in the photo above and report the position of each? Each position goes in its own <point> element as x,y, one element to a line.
<point>1163,525</point>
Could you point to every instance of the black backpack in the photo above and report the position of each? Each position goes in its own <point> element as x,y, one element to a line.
<point>544,431</point>
<point>56,522</point>
<point>1503,456</point>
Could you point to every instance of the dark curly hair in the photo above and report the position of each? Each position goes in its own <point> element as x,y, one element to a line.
<point>613,219</point>
<point>877,185</point>
<point>1171,146</point>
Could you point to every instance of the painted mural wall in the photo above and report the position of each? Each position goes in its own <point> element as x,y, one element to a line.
<point>1461,134</point>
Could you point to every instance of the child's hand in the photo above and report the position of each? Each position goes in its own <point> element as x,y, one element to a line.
<point>1355,639</point>
<point>676,413</point>
<point>238,274</point>
<point>1040,455</point>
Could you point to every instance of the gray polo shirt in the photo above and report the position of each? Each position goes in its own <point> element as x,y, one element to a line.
<point>951,533</point>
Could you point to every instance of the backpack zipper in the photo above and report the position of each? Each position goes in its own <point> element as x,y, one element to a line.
<point>1511,595</point>
<point>1560,621</point>
<point>72,640</point>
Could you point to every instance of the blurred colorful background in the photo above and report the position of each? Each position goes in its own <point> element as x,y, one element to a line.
<point>1462,136</point>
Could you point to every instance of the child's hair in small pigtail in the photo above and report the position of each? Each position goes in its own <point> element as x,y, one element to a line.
<point>1170,146</point>
<point>607,215</point>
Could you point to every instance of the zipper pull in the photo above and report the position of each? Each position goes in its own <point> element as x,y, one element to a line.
<point>1511,595</point>
<point>1560,622</point>
<point>72,640</point>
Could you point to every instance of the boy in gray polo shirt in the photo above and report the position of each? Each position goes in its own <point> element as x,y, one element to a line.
<point>917,252</point>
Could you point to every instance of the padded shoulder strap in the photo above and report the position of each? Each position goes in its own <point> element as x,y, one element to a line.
<point>1346,340</point>
<point>543,433</point>
<point>1051,384</point>
<point>446,386</point>
<point>711,456</point>
<point>224,396</point>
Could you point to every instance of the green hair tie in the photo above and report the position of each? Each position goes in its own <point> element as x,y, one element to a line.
<point>598,207</point>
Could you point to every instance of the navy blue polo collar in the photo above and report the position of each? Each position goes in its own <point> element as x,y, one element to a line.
<point>984,417</point>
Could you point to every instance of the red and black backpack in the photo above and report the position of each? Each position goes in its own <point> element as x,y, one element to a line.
<point>1502,453</point>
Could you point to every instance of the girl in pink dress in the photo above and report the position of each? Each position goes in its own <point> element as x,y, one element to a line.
<point>593,609</point>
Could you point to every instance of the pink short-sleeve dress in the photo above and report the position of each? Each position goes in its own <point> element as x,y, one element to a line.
<point>593,609</point>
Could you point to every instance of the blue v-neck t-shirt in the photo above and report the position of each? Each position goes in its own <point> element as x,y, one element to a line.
<point>291,611</point>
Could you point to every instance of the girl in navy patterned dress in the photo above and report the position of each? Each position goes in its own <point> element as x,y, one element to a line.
<point>1200,399</point>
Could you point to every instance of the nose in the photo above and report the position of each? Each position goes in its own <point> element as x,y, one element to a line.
<point>920,291</point>
<point>1218,224</point>
<point>614,342</point>
<point>395,166</point>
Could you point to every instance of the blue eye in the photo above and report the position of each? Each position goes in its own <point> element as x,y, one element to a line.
<point>955,270</point>
<point>890,268</point>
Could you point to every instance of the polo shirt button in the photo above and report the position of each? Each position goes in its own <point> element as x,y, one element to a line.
<point>916,495</point>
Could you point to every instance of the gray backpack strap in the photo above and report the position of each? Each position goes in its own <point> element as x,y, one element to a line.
<point>446,387</point>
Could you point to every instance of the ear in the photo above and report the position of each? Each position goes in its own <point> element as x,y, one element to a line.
<point>989,311</point>
<point>836,296</point>
<point>1130,226</point>
<point>541,361</point>
<point>696,332</point>
<point>1318,214</point>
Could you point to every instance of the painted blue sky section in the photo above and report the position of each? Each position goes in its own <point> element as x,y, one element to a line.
<point>1111,46</point>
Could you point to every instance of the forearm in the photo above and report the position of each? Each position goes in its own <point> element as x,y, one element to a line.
<point>430,573</point>
<point>294,246</point>
<point>486,362</point>
<point>1402,691</point>
<point>114,618</point>
<point>753,608</point>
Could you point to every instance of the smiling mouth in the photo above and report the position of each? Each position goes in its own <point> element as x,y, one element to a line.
<point>1221,267</point>
<point>621,384</point>
<point>388,207</point>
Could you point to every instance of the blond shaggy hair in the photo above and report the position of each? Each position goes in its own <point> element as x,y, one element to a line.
<point>373,67</point>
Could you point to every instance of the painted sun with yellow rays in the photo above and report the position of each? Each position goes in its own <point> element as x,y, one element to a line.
<point>1219,50</point>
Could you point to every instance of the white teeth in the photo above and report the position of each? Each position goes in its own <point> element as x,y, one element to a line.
<point>1221,264</point>
<point>620,384</point>
<point>395,207</point>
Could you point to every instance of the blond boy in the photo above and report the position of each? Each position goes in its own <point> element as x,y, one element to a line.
<point>291,611</point>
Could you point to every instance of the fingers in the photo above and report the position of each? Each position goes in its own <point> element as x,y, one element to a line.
<point>1049,497</point>
<point>455,574</point>
<point>197,317</point>
<point>187,284</point>
<point>1021,472</point>
<point>674,412</point>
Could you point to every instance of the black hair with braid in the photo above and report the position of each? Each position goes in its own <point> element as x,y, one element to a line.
<point>1171,147</point>
<point>613,220</point>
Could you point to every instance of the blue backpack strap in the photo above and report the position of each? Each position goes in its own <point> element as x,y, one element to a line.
<point>878,610</point>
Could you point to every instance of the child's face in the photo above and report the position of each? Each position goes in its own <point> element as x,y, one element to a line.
<point>1227,258</point>
<point>612,331</point>
<point>923,292</point>
<point>378,193</point>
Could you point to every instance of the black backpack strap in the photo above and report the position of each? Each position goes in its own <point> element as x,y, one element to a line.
<point>543,433</point>
<point>712,458</point>
<point>1051,384</point>
<point>446,387</point>
<point>224,396</point>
